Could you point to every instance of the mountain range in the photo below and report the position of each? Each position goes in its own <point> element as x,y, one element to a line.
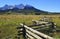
<point>23,9</point>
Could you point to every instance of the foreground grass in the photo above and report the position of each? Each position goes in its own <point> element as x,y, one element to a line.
<point>8,23</point>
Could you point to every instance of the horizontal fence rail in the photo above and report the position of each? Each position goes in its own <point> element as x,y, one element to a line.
<point>33,34</point>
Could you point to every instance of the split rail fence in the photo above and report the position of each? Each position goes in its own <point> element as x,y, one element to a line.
<point>29,33</point>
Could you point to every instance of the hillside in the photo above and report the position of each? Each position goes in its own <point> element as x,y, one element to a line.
<point>22,9</point>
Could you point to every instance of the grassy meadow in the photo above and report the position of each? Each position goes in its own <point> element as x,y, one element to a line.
<point>9,23</point>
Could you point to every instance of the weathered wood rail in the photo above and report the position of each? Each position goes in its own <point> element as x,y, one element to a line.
<point>30,33</point>
<point>44,25</point>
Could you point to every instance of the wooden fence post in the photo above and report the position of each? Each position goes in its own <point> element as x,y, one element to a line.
<point>24,31</point>
<point>52,28</point>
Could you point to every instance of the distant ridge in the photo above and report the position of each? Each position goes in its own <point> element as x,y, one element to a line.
<point>23,9</point>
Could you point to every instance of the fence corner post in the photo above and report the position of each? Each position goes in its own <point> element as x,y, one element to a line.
<point>24,31</point>
<point>52,28</point>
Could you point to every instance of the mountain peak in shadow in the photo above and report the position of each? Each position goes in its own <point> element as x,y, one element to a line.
<point>20,6</point>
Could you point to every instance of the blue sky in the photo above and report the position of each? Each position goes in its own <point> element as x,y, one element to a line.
<point>46,5</point>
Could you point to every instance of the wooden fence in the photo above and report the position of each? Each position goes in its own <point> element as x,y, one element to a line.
<point>29,33</point>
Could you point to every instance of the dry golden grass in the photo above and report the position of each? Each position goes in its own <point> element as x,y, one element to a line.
<point>8,23</point>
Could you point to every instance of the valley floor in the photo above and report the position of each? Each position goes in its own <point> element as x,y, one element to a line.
<point>8,23</point>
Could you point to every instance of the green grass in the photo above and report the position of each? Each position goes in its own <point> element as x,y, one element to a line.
<point>9,23</point>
